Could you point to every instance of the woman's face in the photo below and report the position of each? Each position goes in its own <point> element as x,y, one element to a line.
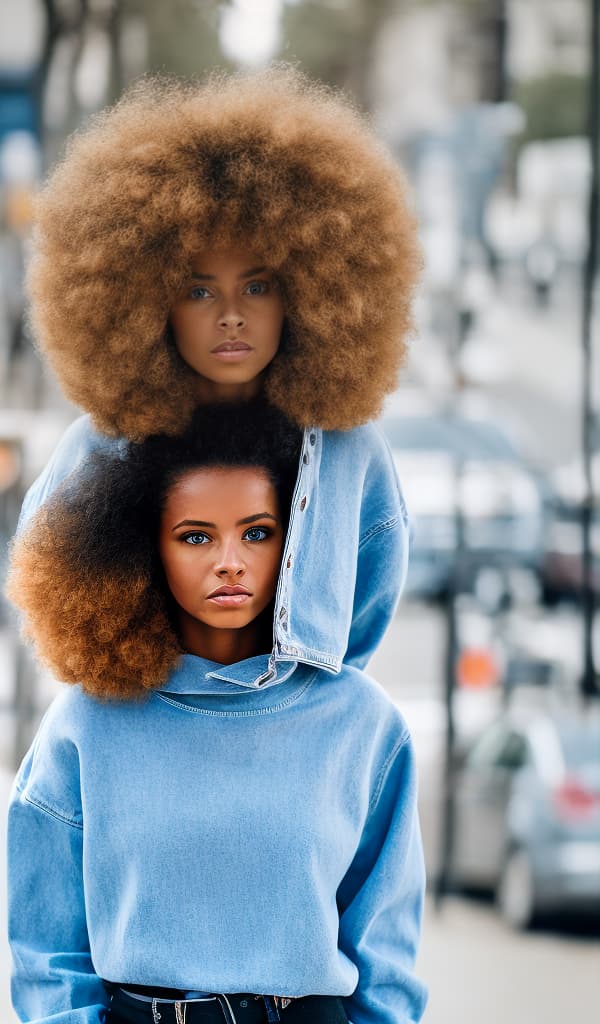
<point>227,322</point>
<point>220,542</point>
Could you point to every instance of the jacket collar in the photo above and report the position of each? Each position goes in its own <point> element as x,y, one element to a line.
<point>197,675</point>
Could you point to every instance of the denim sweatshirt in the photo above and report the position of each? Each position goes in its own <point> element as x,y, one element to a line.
<point>219,835</point>
<point>346,553</point>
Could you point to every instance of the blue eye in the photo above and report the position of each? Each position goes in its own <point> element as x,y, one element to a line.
<point>256,533</point>
<point>195,538</point>
<point>257,288</point>
<point>198,292</point>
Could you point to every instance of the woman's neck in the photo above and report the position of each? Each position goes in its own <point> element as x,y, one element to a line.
<point>208,391</point>
<point>224,646</point>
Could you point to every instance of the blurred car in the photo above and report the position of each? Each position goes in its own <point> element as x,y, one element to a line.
<point>471,495</point>
<point>562,564</point>
<point>527,814</point>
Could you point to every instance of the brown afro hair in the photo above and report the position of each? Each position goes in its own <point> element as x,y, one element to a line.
<point>86,572</point>
<point>269,158</point>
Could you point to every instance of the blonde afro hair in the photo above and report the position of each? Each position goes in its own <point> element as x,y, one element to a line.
<point>269,159</point>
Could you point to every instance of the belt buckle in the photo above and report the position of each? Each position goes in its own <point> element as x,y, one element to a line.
<point>283,1001</point>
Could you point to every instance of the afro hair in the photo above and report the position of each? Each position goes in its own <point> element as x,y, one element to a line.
<point>270,159</point>
<point>86,572</point>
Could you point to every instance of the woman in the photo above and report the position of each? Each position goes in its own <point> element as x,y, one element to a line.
<point>197,834</point>
<point>244,236</point>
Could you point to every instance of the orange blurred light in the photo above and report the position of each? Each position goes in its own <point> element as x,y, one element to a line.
<point>476,669</point>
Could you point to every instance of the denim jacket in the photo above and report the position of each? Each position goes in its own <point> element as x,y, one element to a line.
<point>346,553</point>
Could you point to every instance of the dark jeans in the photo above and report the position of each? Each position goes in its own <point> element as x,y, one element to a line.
<point>245,1009</point>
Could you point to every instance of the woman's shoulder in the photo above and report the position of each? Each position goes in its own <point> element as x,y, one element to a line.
<point>364,448</point>
<point>49,776</point>
<point>367,699</point>
<point>367,437</point>
<point>82,437</point>
<point>79,440</point>
<point>64,716</point>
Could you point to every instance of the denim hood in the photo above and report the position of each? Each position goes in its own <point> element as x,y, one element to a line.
<point>345,555</point>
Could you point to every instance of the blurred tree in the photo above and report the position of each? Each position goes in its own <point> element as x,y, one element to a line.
<point>182,35</point>
<point>554,105</point>
<point>334,40</point>
<point>480,40</point>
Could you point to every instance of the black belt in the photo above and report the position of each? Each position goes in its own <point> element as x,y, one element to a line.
<point>169,1006</point>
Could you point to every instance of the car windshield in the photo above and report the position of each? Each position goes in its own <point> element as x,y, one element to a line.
<point>463,438</point>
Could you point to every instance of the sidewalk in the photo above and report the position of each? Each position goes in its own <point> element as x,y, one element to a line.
<point>480,972</point>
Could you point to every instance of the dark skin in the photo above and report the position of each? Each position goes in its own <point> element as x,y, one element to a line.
<point>227,323</point>
<point>220,542</point>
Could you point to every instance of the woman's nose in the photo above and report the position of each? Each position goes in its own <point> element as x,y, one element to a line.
<point>230,563</point>
<point>231,319</point>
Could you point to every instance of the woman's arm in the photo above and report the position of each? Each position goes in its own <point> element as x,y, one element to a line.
<point>380,575</point>
<point>381,898</point>
<point>53,974</point>
<point>383,552</point>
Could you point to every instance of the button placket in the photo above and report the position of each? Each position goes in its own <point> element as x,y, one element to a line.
<point>304,484</point>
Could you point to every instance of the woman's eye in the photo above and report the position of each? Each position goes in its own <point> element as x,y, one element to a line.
<point>256,533</point>
<point>195,538</point>
<point>257,288</point>
<point>198,292</point>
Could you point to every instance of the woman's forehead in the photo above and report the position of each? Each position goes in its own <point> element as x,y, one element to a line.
<point>222,491</point>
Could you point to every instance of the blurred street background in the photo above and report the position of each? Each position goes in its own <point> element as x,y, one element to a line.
<point>491,106</point>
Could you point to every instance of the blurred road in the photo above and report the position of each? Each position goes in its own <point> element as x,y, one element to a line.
<point>479,972</point>
<point>525,360</point>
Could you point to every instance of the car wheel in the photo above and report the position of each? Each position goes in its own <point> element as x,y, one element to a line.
<point>516,891</point>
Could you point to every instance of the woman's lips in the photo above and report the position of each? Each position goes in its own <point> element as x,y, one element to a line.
<point>229,597</point>
<point>232,351</point>
<point>229,600</point>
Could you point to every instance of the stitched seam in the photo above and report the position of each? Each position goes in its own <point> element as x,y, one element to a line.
<point>384,770</point>
<point>302,649</point>
<point>234,682</point>
<point>52,812</point>
<point>387,524</point>
<point>238,714</point>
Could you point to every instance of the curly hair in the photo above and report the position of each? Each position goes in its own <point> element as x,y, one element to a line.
<point>281,163</point>
<point>87,574</point>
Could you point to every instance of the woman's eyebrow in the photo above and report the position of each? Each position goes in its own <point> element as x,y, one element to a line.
<point>242,277</point>
<point>213,526</point>
<point>253,519</point>
<point>194,522</point>
<point>251,273</point>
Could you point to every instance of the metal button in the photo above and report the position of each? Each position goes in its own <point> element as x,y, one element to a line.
<point>303,504</point>
<point>289,562</point>
<point>313,439</point>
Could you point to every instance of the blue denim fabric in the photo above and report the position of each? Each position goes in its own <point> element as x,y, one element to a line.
<point>347,548</point>
<point>219,836</point>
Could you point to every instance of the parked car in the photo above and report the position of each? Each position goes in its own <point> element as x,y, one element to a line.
<point>471,495</point>
<point>527,814</point>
